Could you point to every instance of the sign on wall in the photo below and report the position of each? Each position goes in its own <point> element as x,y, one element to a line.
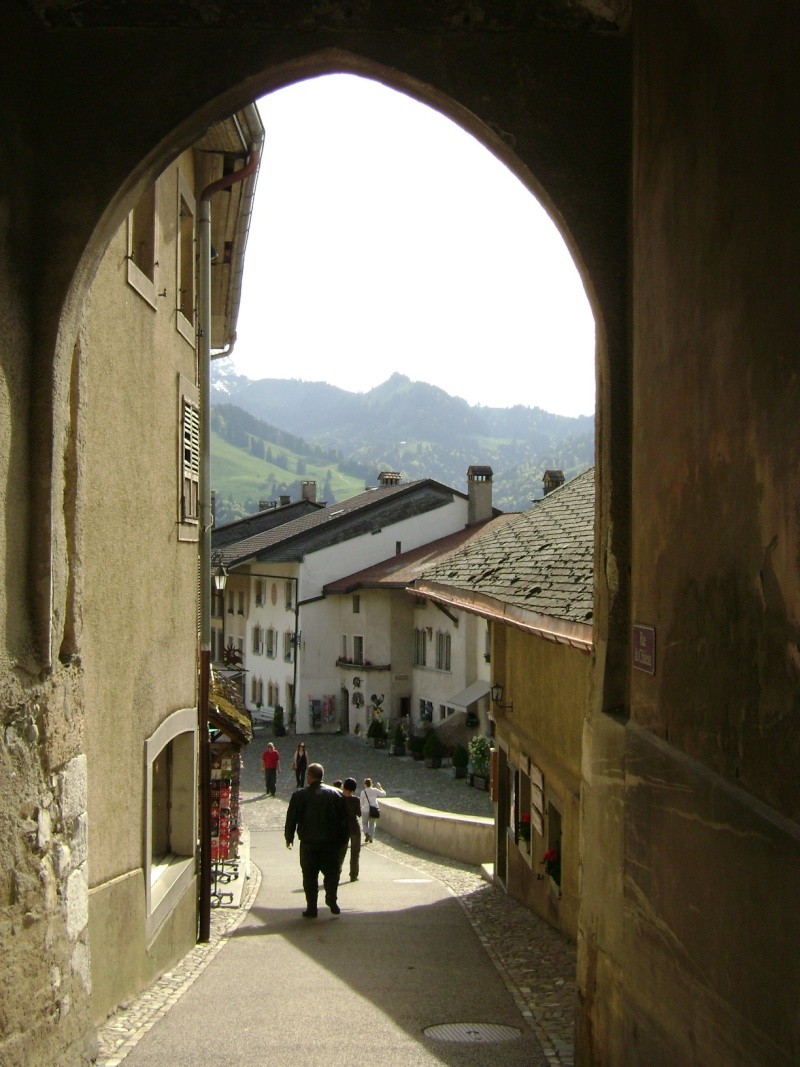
<point>644,648</point>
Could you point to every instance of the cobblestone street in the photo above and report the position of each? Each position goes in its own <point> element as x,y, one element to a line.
<point>536,963</point>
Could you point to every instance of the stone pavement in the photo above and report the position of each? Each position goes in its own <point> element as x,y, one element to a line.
<point>535,963</point>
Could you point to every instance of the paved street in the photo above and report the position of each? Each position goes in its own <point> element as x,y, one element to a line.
<point>420,942</point>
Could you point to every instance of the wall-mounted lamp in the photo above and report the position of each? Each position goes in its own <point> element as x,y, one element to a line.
<point>218,572</point>
<point>496,693</point>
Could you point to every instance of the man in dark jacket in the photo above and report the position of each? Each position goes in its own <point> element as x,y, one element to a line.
<point>319,815</point>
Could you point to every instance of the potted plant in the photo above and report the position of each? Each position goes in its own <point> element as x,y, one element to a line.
<point>480,753</point>
<point>433,750</point>
<point>460,761</point>
<point>416,744</point>
<point>377,732</point>
<point>552,865</point>
<point>278,728</point>
<point>399,746</point>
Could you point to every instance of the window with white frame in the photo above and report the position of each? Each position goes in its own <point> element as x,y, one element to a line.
<point>258,640</point>
<point>231,602</point>
<point>271,642</point>
<point>240,609</point>
<point>442,651</point>
<point>289,594</point>
<point>185,260</point>
<point>358,649</point>
<point>170,825</point>
<point>259,592</point>
<point>288,646</point>
<point>420,648</point>
<point>142,253</point>
<point>190,461</point>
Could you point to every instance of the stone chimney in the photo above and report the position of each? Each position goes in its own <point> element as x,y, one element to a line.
<point>309,491</point>
<point>479,493</point>
<point>389,478</point>
<point>263,505</point>
<point>552,480</point>
<point>284,499</point>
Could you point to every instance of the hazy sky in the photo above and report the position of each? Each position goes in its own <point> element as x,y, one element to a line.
<point>385,238</point>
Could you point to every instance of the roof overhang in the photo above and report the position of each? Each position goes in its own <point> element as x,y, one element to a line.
<point>469,696</point>
<point>561,631</point>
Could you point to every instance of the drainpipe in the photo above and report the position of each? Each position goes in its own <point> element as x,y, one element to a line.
<point>204,376</point>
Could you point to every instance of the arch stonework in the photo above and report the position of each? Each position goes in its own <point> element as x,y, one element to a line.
<point>665,151</point>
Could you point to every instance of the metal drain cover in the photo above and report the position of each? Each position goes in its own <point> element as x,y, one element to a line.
<point>472,1033</point>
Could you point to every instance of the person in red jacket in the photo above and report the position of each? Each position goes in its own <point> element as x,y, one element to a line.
<point>271,761</point>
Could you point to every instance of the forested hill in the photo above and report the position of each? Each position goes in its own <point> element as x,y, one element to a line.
<point>414,428</point>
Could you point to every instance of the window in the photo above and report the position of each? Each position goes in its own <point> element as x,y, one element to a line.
<point>142,247</point>
<point>170,829</point>
<point>217,605</point>
<point>442,652</point>
<point>258,640</point>
<point>442,713</point>
<point>184,267</point>
<point>287,646</point>
<point>259,592</point>
<point>289,591</point>
<point>241,602</point>
<point>356,604</point>
<point>271,643</point>
<point>344,647</point>
<point>398,547</point>
<point>420,648</point>
<point>426,711</point>
<point>253,689</point>
<point>230,602</point>
<point>190,445</point>
<point>358,650</point>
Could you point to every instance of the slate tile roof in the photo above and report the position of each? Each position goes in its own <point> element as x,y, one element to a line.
<point>364,513</point>
<point>250,525</point>
<point>541,561</point>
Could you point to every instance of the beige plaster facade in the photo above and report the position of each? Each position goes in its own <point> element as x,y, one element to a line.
<point>663,140</point>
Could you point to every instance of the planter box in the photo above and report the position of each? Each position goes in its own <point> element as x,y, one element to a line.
<point>479,782</point>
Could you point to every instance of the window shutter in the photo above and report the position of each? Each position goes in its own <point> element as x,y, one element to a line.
<point>191,461</point>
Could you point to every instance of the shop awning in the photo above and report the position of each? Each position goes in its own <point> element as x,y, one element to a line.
<point>469,696</point>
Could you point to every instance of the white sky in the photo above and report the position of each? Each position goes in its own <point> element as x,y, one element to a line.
<point>385,238</point>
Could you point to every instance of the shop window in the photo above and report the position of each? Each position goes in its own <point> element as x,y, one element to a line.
<point>184,267</point>
<point>170,825</point>
<point>142,255</point>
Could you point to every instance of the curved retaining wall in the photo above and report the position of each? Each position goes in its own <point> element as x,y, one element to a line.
<point>468,838</point>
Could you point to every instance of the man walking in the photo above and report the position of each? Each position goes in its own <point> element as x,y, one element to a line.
<point>349,787</point>
<point>318,814</point>
<point>271,762</point>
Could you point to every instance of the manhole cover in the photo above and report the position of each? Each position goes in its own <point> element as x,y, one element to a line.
<point>472,1033</point>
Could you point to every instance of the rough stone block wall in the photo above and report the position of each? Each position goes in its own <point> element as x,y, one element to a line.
<point>44,952</point>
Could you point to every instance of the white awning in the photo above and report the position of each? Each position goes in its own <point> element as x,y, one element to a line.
<point>469,696</point>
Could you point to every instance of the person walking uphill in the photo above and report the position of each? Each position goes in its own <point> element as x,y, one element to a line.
<point>354,827</point>
<point>271,762</point>
<point>299,764</point>
<point>318,814</point>
<point>370,809</point>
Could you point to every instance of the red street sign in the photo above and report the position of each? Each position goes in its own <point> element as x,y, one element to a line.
<point>644,648</point>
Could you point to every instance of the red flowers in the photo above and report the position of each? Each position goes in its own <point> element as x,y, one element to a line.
<point>525,817</point>
<point>551,856</point>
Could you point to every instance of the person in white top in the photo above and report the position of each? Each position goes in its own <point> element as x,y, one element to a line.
<point>370,809</point>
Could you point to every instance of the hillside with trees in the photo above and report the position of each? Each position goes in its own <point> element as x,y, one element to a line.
<point>271,434</point>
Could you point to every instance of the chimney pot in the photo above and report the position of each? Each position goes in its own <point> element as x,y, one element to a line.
<point>309,491</point>
<point>551,480</point>
<point>389,478</point>
<point>284,499</point>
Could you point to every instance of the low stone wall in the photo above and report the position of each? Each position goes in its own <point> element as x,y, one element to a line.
<point>468,838</point>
